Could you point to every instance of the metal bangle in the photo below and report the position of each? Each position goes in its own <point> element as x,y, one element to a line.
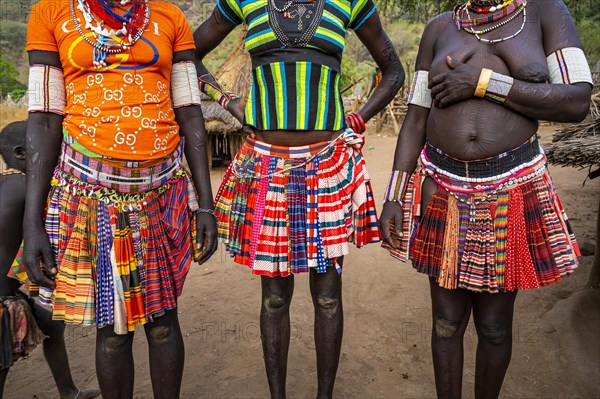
<point>209,211</point>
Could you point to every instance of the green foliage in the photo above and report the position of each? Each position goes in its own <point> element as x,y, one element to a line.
<point>8,77</point>
<point>357,62</point>
<point>214,60</point>
<point>17,94</point>
<point>588,33</point>
<point>586,14</point>
<point>13,36</point>
<point>419,11</point>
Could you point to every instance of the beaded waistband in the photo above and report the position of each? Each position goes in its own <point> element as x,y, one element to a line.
<point>483,168</point>
<point>119,175</point>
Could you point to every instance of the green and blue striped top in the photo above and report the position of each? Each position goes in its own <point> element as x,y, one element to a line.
<point>296,86</point>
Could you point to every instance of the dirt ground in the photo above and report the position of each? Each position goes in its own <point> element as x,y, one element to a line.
<point>385,351</point>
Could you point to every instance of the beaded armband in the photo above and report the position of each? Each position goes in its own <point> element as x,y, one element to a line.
<point>498,87</point>
<point>215,91</point>
<point>420,94</point>
<point>356,122</point>
<point>184,90</point>
<point>46,89</point>
<point>568,66</point>
<point>396,187</point>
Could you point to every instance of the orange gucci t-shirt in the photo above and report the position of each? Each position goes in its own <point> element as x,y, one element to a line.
<point>123,110</point>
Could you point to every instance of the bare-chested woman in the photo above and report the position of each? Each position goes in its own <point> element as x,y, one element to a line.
<point>470,199</point>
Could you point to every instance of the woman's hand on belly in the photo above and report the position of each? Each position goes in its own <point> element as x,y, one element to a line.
<point>456,85</point>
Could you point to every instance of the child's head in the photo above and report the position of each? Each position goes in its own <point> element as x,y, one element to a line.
<point>12,145</point>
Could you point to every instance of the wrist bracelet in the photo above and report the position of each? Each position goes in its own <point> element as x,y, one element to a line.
<point>498,87</point>
<point>209,211</point>
<point>482,84</point>
<point>397,186</point>
<point>217,92</point>
<point>356,122</point>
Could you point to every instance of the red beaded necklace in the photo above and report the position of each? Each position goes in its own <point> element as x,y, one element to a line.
<point>133,19</point>
<point>487,9</point>
<point>462,9</point>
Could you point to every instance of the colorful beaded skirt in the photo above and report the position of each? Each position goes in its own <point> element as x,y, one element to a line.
<point>502,232</point>
<point>281,210</point>
<point>122,255</point>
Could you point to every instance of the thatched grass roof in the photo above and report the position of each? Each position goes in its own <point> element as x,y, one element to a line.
<point>577,144</point>
<point>236,75</point>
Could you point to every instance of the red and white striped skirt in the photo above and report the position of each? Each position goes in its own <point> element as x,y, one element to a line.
<point>281,210</point>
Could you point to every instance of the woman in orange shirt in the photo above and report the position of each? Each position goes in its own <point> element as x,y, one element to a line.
<point>110,212</point>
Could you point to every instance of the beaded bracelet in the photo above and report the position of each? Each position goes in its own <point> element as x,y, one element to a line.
<point>209,211</point>
<point>356,122</point>
<point>215,91</point>
<point>498,87</point>
<point>482,84</point>
<point>396,187</point>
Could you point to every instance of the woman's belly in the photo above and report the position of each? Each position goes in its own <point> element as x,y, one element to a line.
<point>477,128</point>
<point>294,138</point>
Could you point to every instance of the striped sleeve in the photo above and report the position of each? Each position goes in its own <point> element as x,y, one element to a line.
<point>360,12</point>
<point>232,10</point>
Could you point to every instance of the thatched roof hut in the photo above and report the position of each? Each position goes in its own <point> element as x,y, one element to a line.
<point>576,145</point>
<point>236,75</point>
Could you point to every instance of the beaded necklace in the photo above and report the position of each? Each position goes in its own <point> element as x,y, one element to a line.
<point>486,10</point>
<point>487,3</point>
<point>111,41</point>
<point>107,16</point>
<point>477,33</point>
<point>287,5</point>
<point>461,10</point>
<point>303,40</point>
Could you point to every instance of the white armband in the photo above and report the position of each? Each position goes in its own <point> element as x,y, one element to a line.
<point>46,90</point>
<point>184,84</point>
<point>420,94</point>
<point>569,65</point>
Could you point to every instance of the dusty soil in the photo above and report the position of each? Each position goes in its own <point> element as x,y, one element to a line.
<point>385,351</point>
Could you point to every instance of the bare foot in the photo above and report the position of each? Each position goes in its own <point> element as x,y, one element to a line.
<point>88,393</point>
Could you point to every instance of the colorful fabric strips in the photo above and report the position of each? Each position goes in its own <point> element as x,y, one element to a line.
<point>122,257</point>
<point>501,234</point>
<point>281,210</point>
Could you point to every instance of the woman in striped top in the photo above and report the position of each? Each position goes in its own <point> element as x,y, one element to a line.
<point>298,190</point>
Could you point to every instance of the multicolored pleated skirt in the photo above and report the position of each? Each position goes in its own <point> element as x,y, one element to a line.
<point>493,225</point>
<point>121,233</point>
<point>281,210</point>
